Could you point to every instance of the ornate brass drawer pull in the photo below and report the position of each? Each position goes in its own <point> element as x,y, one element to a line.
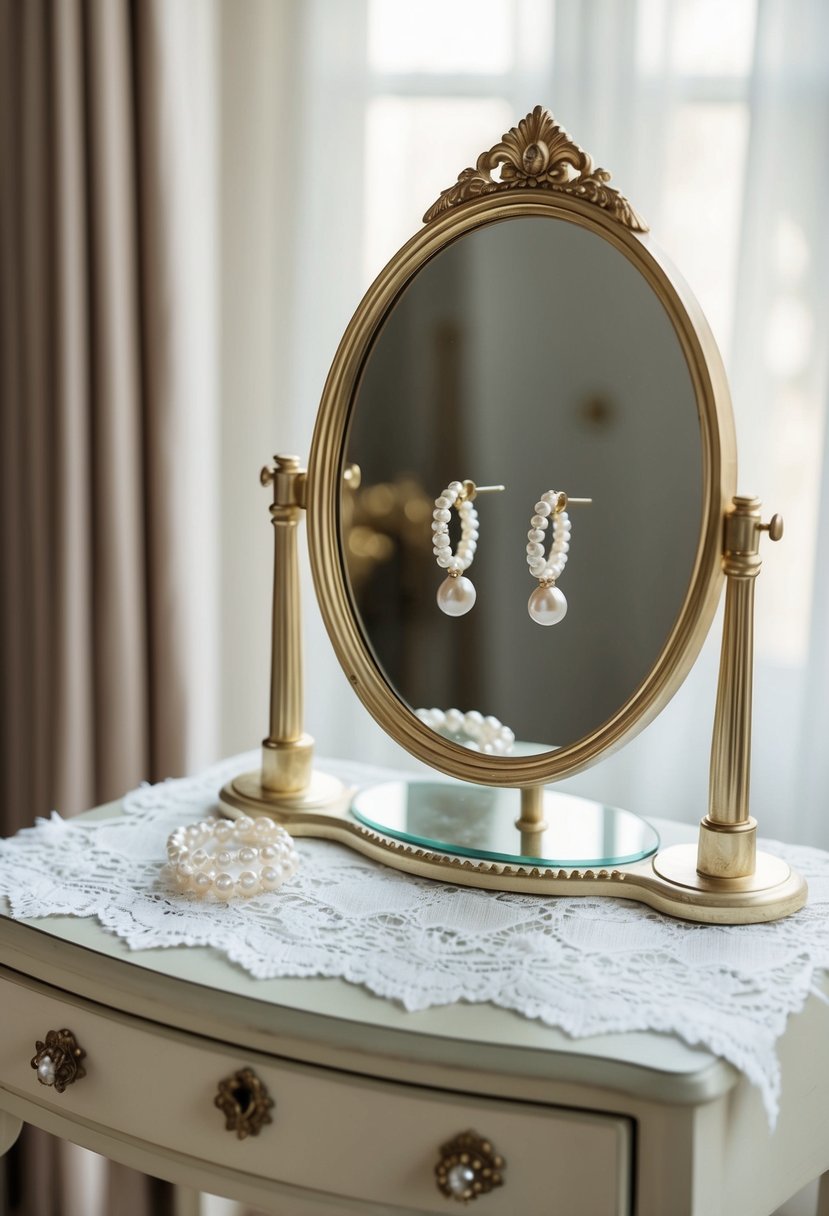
<point>58,1060</point>
<point>245,1103</point>
<point>468,1167</point>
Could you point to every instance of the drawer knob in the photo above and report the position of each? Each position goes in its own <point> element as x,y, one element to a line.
<point>468,1167</point>
<point>245,1103</point>
<point>57,1060</point>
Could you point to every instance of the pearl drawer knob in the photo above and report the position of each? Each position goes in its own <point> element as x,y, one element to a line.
<point>245,1103</point>
<point>57,1060</point>
<point>468,1167</point>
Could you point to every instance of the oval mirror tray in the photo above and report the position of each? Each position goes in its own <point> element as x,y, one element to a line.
<point>468,821</point>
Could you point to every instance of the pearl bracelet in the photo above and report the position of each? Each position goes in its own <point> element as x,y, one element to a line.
<point>231,858</point>
<point>476,732</point>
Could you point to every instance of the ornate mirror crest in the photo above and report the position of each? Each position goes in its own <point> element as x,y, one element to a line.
<point>538,154</point>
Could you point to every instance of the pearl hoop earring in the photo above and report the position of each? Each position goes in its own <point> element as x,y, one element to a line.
<point>547,604</point>
<point>456,594</point>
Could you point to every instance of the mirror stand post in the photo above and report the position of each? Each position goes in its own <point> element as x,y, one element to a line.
<point>286,780</point>
<point>726,861</point>
<point>531,822</point>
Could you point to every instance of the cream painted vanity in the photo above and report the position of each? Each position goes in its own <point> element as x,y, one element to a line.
<point>365,1094</point>
<point>532,337</point>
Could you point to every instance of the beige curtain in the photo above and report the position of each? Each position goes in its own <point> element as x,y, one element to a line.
<point>105,387</point>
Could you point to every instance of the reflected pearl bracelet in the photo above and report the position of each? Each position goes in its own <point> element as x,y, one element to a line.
<point>230,859</point>
<point>476,732</point>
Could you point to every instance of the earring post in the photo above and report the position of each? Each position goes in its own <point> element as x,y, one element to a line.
<point>564,501</point>
<point>471,491</point>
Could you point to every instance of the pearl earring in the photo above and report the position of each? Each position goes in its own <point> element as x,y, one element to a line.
<point>456,594</point>
<point>547,604</point>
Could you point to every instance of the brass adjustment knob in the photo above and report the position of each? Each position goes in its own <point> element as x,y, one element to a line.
<point>57,1060</point>
<point>468,1167</point>
<point>245,1103</point>
<point>774,527</point>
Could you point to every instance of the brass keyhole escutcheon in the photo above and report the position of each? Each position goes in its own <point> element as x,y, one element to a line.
<point>468,1167</point>
<point>245,1103</point>
<point>57,1060</point>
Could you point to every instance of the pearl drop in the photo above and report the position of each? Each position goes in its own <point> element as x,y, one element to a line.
<point>547,605</point>
<point>454,488</point>
<point>202,882</point>
<point>247,854</point>
<point>454,720</point>
<point>244,823</point>
<point>224,857</point>
<point>542,508</point>
<point>443,503</point>
<point>456,596</point>
<point>534,548</point>
<point>268,852</point>
<point>442,515</point>
<point>223,829</point>
<point>535,534</point>
<point>473,721</point>
<point>248,881</point>
<point>539,521</point>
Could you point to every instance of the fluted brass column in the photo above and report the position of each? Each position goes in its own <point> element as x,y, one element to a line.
<point>286,784</point>
<point>723,879</point>
<point>287,752</point>
<point>727,846</point>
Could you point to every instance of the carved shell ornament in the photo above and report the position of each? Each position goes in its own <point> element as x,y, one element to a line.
<point>538,154</point>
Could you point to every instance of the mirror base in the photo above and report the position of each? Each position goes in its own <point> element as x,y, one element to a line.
<point>665,882</point>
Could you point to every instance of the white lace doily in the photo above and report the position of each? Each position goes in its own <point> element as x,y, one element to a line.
<point>588,965</point>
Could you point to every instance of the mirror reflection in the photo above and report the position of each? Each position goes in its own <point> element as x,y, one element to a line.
<point>532,354</point>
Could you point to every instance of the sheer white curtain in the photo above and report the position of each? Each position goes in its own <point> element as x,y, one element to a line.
<point>714,120</point>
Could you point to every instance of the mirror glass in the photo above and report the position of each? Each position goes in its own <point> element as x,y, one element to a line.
<point>469,821</point>
<point>531,353</point>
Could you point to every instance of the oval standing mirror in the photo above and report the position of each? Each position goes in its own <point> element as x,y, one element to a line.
<point>530,336</point>
<point>520,512</point>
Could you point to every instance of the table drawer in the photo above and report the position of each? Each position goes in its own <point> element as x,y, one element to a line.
<point>334,1132</point>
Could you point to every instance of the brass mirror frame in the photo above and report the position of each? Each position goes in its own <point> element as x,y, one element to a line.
<point>325,481</point>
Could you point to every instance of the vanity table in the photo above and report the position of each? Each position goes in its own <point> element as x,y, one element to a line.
<point>365,1095</point>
